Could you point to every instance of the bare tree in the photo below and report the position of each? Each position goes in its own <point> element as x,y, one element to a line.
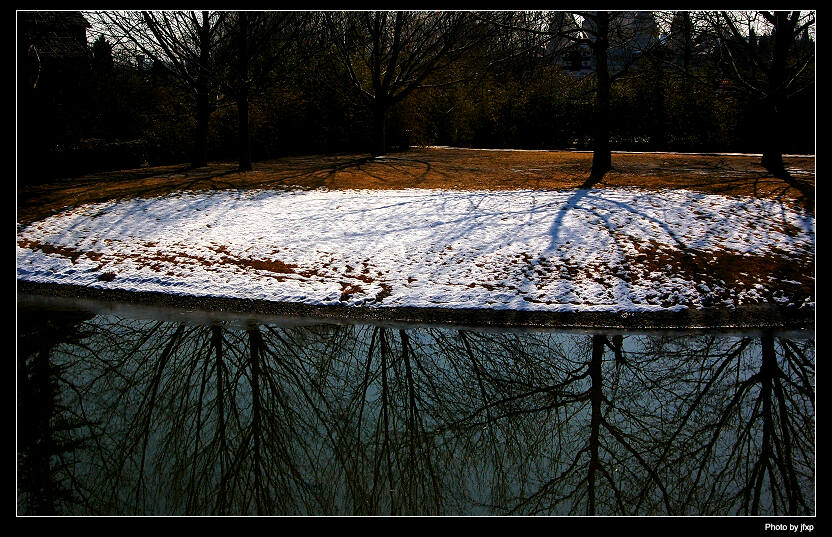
<point>253,56</point>
<point>767,52</point>
<point>184,42</point>
<point>243,90</point>
<point>387,55</point>
<point>626,34</point>
<point>629,34</point>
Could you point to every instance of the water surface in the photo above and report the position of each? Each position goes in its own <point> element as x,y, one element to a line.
<point>126,411</point>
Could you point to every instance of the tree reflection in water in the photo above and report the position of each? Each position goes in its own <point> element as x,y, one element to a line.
<point>119,416</point>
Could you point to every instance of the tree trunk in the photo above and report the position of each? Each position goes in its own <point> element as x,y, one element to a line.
<point>242,100</point>
<point>379,129</point>
<point>601,156</point>
<point>773,152</point>
<point>598,342</point>
<point>658,135</point>
<point>200,156</point>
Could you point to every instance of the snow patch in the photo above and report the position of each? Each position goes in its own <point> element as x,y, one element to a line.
<point>569,250</point>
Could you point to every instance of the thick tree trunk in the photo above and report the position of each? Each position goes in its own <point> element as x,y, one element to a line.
<point>203,112</point>
<point>242,100</point>
<point>245,144</point>
<point>379,129</point>
<point>773,152</point>
<point>200,155</point>
<point>601,155</point>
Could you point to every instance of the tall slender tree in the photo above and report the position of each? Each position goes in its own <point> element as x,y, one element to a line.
<point>185,43</point>
<point>252,57</point>
<point>627,34</point>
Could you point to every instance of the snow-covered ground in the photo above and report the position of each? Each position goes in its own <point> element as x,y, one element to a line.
<point>575,250</point>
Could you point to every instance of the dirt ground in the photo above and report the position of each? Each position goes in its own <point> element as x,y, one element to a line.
<point>435,168</point>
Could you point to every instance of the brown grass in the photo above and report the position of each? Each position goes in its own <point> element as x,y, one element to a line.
<point>438,168</point>
<point>435,168</point>
<point>72,253</point>
<point>159,260</point>
<point>734,272</point>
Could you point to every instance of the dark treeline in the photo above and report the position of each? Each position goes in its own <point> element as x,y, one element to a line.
<point>110,90</point>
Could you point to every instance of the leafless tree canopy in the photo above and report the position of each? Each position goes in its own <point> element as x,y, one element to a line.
<point>701,81</point>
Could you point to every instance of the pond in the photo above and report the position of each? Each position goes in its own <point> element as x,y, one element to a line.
<point>164,412</point>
